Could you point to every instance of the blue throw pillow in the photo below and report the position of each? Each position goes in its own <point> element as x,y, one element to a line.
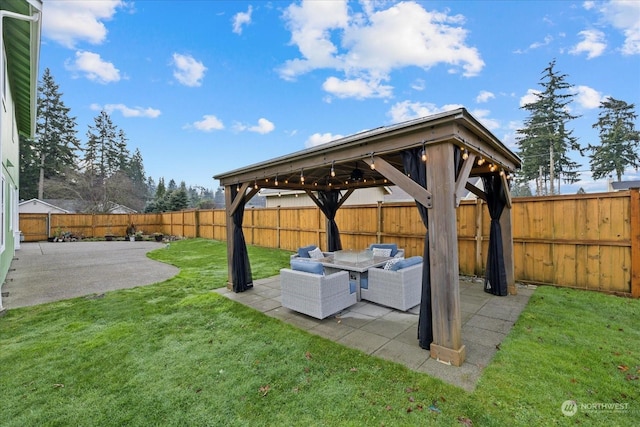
<point>307,266</point>
<point>408,262</point>
<point>304,251</point>
<point>392,246</point>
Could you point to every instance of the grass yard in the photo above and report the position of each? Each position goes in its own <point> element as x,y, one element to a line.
<point>175,353</point>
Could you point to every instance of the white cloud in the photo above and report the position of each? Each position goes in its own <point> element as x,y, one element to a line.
<point>93,67</point>
<point>407,110</point>
<point>547,40</point>
<point>320,138</point>
<point>530,97</point>
<point>418,85</point>
<point>69,22</point>
<point>623,15</point>
<point>483,117</point>
<point>593,44</point>
<point>128,111</point>
<point>188,71</point>
<point>484,96</point>
<point>240,19</point>
<point>367,46</point>
<point>587,97</point>
<point>207,124</point>
<point>356,88</point>
<point>264,126</point>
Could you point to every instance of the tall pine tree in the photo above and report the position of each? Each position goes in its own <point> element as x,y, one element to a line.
<point>55,144</point>
<point>544,143</point>
<point>101,150</point>
<point>619,140</point>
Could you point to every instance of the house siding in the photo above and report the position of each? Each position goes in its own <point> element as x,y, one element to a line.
<point>10,144</point>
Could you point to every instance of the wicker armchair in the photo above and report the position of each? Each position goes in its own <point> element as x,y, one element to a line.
<point>400,289</point>
<point>314,294</point>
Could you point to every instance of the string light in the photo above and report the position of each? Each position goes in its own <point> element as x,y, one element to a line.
<point>481,161</point>
<point>333,172</point>
<point>255,184</point>
<point>276,182</point>
<point>424,153</point>
<point>373,163</point>
<point>302,176</point>
<point>465,155</point>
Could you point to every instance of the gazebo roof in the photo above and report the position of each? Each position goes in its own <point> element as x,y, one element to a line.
<point>311,169</point>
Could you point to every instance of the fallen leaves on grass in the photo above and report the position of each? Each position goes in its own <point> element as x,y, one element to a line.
<point>58,386</point>
<point>465,421</point>
<point>265,389</point>
<point>308,356</point>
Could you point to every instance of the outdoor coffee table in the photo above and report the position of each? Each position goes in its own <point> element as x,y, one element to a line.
<point>356,263</point>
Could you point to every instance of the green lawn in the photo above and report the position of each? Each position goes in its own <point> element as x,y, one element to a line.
<point>176,353</point>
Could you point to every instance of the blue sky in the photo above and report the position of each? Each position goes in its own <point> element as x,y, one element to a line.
<point>204,87</point>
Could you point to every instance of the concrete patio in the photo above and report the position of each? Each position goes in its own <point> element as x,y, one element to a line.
<point>392,334</point>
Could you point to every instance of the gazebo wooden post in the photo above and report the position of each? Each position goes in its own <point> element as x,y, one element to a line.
<point>443,253</point>
<point>230,228</point>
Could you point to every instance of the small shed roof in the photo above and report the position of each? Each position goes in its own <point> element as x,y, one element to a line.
<point>625,185</point>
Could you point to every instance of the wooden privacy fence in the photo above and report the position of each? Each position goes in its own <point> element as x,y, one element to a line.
<point>589,241</point>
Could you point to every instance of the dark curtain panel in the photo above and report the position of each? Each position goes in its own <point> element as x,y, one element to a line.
<point>415,167</point>
<point>241,274</point>
<point>457,160</point>
<point>329,206</point>
<point>495,279</point>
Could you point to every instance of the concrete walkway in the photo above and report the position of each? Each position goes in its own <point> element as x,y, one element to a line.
<point>392,334</point>
<point>44,271</point>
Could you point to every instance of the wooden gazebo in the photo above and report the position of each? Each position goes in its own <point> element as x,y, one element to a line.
<point>432,159</point>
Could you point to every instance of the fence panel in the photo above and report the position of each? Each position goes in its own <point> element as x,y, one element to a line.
<point>583,241</point>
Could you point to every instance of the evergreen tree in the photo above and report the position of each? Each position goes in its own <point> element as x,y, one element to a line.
<point>29,169</point>
<point>151,188</point>
<point>160,189</point>
<point>101,151</point>
<point>55,141</point>
<point>619,141</point>
<point>122,155</point>
<point>178,199</point>
<point>218,199</point>
<point>544,142</point>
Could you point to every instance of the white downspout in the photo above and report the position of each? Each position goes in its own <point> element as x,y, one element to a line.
<point>29,18</point>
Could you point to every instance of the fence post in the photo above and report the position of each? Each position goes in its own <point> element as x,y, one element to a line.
<point>379,226</point>
<point>634,203</point>
<point>479,264</point>
<point>278,226</point>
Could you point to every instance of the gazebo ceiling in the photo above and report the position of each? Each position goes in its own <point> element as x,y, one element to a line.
<point>345,163</point>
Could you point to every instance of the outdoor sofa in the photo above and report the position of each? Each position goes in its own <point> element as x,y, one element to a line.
<point>303,253</point>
